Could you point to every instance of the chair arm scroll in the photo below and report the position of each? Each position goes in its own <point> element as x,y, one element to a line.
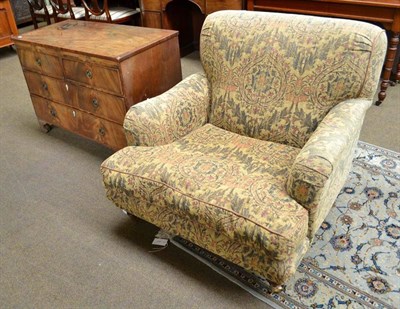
<point>171,115</point>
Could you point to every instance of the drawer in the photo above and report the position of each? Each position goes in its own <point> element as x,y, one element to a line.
<point>48,87</point>
<point>94,75</point>
<point>53,113</point>
<point>102,131</point>
<point>44,61</point>
<point>98,103</point>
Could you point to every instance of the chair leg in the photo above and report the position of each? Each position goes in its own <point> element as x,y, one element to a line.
<point>34,21</point>
<point>48,20</point>
<point>137,20</point>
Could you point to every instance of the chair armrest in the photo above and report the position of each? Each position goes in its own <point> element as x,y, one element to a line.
<point>322,166</point>
<point>171,115</point>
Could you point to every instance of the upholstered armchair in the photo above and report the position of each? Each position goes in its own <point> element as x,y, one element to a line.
<point>247,159</point>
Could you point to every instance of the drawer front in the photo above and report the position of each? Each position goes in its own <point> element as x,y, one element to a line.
<point>98,103</point>
<point>103,78</point>
<point>48,87</point>
<point>102,131</point>
<point>55,114</point>
<point>42,61</point>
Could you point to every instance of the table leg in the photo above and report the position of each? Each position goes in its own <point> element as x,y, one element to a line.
<point>387,70</point>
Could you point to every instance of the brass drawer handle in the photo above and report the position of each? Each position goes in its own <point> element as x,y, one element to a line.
<point>95,103</point>
<point>89,74</point>
<point>53,112</point>
<point>38,62</point>
<point>102,131</point>
<point>45,87</point>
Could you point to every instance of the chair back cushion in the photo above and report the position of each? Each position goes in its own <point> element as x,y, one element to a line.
<point>275,76</point>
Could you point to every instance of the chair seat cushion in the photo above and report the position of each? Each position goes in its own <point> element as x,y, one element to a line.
<point>116,13</point>
<point>41,11</point>
<point>213,180</point>
<point>79,13</point>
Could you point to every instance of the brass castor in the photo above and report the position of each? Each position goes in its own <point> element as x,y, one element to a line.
<point>275,289</point>
<point>47,128</point>
<point>44,126</point>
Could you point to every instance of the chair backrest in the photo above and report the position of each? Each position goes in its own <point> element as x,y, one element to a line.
<point>275,76</point>
<point>37,5</point>
<point>38,8</point>
<point>92,7</point>
<point>116,14</point>
<point>62,7</point>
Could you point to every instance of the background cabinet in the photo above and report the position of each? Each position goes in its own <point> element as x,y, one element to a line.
<point>186,16</point>
<point>7,23</point>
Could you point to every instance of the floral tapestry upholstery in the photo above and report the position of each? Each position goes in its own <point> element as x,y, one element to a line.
<point>247,159</point>
<point>227,183</point>
<point>275,76</point>
<point>324,162</point>
<point>170,116</point>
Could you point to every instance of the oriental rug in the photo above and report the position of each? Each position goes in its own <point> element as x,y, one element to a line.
<point>354,261</point>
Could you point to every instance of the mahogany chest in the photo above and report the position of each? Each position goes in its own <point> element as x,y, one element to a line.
<point>83,76</point>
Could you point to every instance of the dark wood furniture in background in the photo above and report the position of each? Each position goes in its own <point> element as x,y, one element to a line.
<point>110,12</point>
<point>8,26</point>
<point>186,16</point>
<point>66,9</point>
<point>384,12</point>
<point>83,76</point>
<point>39,9</point>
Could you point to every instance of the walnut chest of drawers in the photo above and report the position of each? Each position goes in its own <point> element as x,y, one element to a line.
<point>83,76</point>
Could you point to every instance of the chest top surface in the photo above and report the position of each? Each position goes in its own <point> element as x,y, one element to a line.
<point>110,41</point>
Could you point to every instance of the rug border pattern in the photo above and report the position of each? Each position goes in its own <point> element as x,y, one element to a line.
<point>260,287</point>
